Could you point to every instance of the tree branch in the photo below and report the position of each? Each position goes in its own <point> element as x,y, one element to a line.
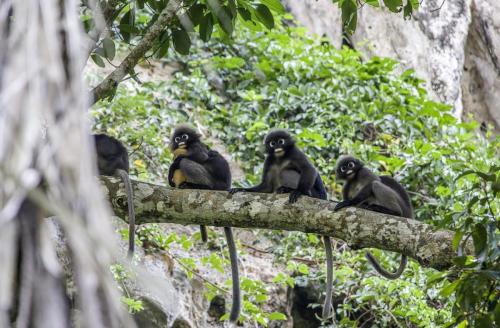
<point>110,83</point>
<point>430,246</point>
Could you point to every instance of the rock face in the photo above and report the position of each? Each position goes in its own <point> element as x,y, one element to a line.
<point>453,45</point>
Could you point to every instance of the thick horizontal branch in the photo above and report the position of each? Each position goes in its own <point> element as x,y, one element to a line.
<point>110,83</point>
<point>360,228</point>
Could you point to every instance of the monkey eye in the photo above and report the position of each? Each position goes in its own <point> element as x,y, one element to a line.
<point>177,139</point>
<point>281,141</point>
<point>351,165</point>
<point>185,136</point>
<point>342,169</point>
<point>272,143</point>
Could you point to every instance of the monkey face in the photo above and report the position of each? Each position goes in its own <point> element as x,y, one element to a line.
<point>183,136</point>
<point>347,167</point>
<point>278,142</point>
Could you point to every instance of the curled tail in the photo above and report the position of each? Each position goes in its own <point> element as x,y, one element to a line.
<point>131,211</point>
<point>235,308</point>
<point>204,233</point>
<point>389,275</point>
<point>329,278</point>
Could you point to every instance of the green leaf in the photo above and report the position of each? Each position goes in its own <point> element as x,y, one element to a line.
<point>373,3</point>
<point>244,13</point>
<point>349,16</point>
<point>457,238</point>
<point>109,48</point>
<point>394,5</point>
<point>196,13</point>
<point>277,316</point>
<point>206,27</point>
<point>274,5</point>
<point>264,15</point>
<point>479,235</point>
<point>181,40</point>
<point>225,20</point>
<point>97,60</point>
<point>409,8</point>
<point>446,291</point>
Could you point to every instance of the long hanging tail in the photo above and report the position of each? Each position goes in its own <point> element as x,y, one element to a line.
<point>204,233</point>
<point>382,271</point>
<point>235,308</point>
<point>329,278</point>
<point>131,211</point>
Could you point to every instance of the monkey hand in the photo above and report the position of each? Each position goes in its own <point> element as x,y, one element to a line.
<point>233,191</point>
<point>294,196</point>
<point>342,204</point>
<point>283,190</point>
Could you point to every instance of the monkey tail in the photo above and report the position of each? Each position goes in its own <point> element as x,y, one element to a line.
<point>131,211</point>
<point>204,233</point>
<point>235,308</point>
<point>327,307</point>
<point>389,275</point>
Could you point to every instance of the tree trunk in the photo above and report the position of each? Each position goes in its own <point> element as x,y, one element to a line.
<point>359,228</point>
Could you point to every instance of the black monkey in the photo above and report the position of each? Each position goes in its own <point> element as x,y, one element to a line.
<point>288,170</point>
<point>112,160</point>
<point>198,167</point>
<point>382,194</point>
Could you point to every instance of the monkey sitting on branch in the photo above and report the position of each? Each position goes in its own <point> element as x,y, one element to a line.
<point>364,189</point>
<point>112,160</point>
<point>288,170</point>
<point>195,166</point>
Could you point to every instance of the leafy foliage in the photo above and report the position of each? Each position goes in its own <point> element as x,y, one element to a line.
<point>335,103</point>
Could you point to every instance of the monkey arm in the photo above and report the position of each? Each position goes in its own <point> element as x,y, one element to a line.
<point>171,170</point>
<point>263,186</point>
<point>306,182</point>
<point>361,196</point>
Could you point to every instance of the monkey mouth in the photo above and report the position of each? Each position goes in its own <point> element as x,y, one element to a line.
<point>350,172</point>
<point>182,145</point>
<point>279,151</point>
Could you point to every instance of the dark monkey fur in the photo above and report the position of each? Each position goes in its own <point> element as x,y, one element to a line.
<point>195,166</point>
<point>377,193</point>
<point>112,160</point>
<point>288,170</point>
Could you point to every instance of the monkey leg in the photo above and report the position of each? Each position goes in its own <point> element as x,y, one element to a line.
<point>289,180</point>
<point>386,198</point>
<point>178,178</point>
<point>196,173</point>
<point>197,177</point>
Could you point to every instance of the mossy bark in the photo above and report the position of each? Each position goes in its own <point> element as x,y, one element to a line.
<point>430,246</point>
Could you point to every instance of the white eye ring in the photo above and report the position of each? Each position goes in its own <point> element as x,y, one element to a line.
<point>351,165</point>
<point>342,169</point>
<point>185,136</point>
<point>281,141</point>
<point>177,139</point>
<point>272,143</point>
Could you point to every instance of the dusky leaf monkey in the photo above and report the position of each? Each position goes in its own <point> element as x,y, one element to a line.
<point>288,170</point>
<point>363,188</point>
<point>112,160</point>
<point>196,166</point>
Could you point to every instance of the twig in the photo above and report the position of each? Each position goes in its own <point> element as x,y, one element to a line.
<point>110,83</point>
<point>295,258</point>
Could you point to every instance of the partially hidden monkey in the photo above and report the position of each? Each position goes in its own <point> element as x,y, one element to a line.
<point>112,160</point>
<point>382,194</point>
<point>288,170</point>
<point>196,166</point>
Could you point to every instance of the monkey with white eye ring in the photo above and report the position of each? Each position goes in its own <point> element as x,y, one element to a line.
<point>383,194</point>
<point>288,170</point>
<point>196,166</point>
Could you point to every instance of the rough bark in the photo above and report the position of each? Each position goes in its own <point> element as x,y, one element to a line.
<point>109,84</point>
<point>431,247</point>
